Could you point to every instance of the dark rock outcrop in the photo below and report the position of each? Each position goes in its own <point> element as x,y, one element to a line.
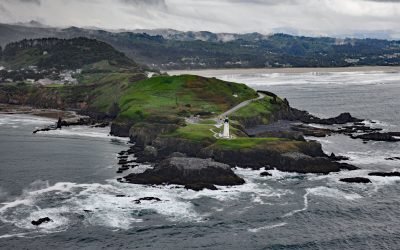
<point>308,160</point>
<point>265,174</point>
<point>41,221</point>
<point>356,180</point>
<point>340,119</point>
<point>376,136</point>
<point>138,201</point>
<point>396,158</point>
<point>385,174</point>
<point>187,171</point>
<point>145,133</point>
<point>120,129</point>
<point>338,157</point>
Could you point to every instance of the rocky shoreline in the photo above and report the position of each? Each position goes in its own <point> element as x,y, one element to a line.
<point>199,165</point>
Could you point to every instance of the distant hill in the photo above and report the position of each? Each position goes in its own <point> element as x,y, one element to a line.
<point>76,53</point>
<point>171,49</point>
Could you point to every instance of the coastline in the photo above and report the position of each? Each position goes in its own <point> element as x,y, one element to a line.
<point>219,72</point>
<point>8,109</point>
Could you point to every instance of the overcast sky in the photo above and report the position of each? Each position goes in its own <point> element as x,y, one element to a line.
<point>306,17</point>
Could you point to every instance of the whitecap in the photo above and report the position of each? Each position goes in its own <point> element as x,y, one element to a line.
<point>256,230</point>
<point>333,193</point>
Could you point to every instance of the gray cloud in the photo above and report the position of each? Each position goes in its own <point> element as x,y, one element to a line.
<point>307,17</point>
<point>385,1</point>
<point>144,2</point>
<point>31,1</point>
<point>265,2</point>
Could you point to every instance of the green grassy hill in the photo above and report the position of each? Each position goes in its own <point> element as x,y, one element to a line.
<point>180,96</point>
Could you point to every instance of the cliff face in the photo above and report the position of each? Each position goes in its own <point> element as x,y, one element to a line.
<point>40,97</point>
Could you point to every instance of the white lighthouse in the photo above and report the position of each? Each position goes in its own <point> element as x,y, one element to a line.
<point>225,133</point>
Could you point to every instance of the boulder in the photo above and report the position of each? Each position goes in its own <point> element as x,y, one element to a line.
<point>187,171</point>
<point>41,221</point>
<point>200,186</point>
<point>376,136</point>
<point>355,180</point>
<point>385,174</point>
<point>338,157</point>
<point>393,158</point>
<point>138,201</point>
<point>264,174</point>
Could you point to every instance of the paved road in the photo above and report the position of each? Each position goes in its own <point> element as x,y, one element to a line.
<point>241,105</point>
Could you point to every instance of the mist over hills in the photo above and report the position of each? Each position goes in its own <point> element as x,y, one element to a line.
<point>171,49</point>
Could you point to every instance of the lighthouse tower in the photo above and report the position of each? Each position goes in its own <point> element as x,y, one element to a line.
<point>225,134</point>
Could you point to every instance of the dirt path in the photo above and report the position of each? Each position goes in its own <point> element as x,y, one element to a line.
<point>241,105</point>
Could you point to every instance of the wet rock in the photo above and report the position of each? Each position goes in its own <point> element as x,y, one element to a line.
<point>388,137</point>
<point>357,129</point>
<point>338,157</point>
<point>124,162</point>
<point>393,158</point>
<point>200,186</point>
<point>301,163</point>
<point>187,171</point>
<point>340,119</point>
<point>265,174</point>
<point>43,130</point>
<point>41,221</point>
<point>138,201</point>
<point>101,125</point>
<point>355,180</point>
<point>385,174</point>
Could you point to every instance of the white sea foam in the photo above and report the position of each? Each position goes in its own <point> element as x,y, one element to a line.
<point>333,193</point>
<point>15,120</point>
<point>337,78</point>
<point>97,204</point>
<point>20,235</point>
<point>372,157</point>
<point>256,230</point>
<point>113,204</point>
<point>305,198</point>
<point>82,131</point>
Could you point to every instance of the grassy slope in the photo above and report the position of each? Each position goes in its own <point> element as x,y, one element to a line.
<point>261,109</point>
<point>108,87</point>
<point>166,96</point>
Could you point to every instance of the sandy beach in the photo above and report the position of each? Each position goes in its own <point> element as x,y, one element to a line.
<point>218,72</point>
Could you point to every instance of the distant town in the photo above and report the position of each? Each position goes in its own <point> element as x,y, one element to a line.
<point>33,75</point>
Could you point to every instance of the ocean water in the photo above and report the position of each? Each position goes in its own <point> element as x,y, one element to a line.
<point>69,176</point>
